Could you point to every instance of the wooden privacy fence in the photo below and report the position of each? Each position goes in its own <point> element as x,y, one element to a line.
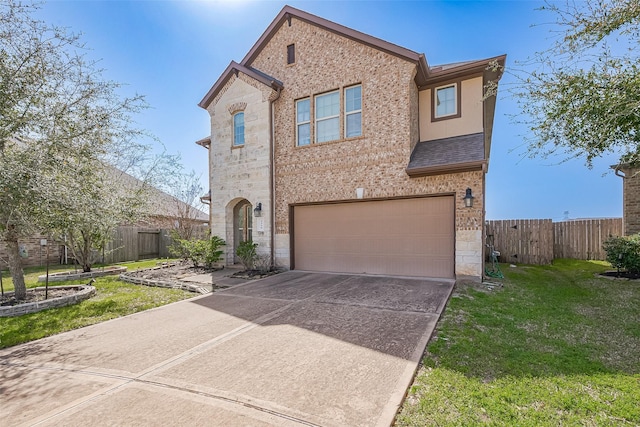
<point>136,243</point>
<point>132,243</point>
<point>527,241</point>
<point>582,239</point>
<point>540,241</point>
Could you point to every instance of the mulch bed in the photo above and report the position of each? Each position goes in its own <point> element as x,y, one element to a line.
<point>173,271</point>
<point>36,296</point>
<point>254,274</point>
<point>621,275</point>
<point>180,270</point>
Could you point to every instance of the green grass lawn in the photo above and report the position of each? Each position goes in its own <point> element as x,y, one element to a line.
<point>554,346</point>
<point>113,298</point>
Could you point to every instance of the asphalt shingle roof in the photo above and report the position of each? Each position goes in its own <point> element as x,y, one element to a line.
<point>439,153</point>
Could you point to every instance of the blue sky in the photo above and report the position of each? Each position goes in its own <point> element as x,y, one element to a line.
<point>173,51</point>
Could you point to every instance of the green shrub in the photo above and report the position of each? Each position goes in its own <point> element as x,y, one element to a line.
<point>624,252</point>
<point>202,253</point>
<point>247,253</point>
<point>179,247</point>
<point>263,264</point>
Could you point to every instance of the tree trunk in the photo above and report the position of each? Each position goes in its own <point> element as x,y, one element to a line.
<point>86,253</point>
<point>15,267</point>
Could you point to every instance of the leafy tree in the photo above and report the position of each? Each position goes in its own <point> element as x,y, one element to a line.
<point>187,207</point>
<point>110,198</point>
<point>580,97</point>
<point>61,123</point>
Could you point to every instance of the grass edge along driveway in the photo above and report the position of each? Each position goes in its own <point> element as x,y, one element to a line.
<point>555,345</point>
<point>114,298</point>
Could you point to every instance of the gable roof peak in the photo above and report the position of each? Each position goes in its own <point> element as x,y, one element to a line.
<point>288,12</point>
<point>234,68</point>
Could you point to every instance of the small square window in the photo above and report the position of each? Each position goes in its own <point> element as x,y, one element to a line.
<point>445,101</point>
<point>291,54</point>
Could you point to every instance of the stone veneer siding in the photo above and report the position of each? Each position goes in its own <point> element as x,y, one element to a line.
<point>238,173</point>
<point>375,161</point>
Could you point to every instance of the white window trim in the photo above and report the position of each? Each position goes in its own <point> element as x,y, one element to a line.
<point>348,113</point>
<point>315,105</point>
<point>303,123</point>
<point>455,100</point>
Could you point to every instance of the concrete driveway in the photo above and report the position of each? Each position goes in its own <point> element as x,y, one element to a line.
<point>295,349</point>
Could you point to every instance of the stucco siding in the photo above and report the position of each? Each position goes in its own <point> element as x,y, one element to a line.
<point>471,114</point>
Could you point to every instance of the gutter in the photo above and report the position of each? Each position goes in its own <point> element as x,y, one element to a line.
<point>272,173</point>
<point>447,168</point>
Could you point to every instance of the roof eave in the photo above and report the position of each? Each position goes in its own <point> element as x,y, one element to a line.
<point>235,68</point>
<point>288,12</point>
<point>489,104</point>
<point>446,168</point>
<point>478,67</point>
<point>204,142</point>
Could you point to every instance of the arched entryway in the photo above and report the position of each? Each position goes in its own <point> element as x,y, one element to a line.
<point>242,225</point>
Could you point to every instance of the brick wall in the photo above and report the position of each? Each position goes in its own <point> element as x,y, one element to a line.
<point>376,161</point>
<point>35,254</point>
<point>631,201</point>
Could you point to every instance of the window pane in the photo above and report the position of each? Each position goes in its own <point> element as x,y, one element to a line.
<point>238,129</point>
<point>446,101</point>
<point>354,98</point>
<point>291,54</point>
<point>303,111</point>
<point>354,124</point>
<point>327,105</point>
<point>328,130</point>
<point>304,134</point>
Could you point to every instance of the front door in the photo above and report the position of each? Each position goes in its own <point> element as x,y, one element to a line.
<point>243,225</point>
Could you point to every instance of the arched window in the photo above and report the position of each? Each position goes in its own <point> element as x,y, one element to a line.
<point>238,129</point>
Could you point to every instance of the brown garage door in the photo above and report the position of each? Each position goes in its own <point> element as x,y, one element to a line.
<point>408,237</point>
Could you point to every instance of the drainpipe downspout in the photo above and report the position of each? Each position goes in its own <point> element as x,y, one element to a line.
<point>622,175</point>
<point>272,173</point>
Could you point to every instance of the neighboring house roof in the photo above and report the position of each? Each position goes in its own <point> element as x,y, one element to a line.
<point>426,76</point>
<point>163,204</point>
<point>454,154</point>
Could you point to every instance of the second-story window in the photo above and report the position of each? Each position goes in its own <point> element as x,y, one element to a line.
<point>303,122</point>
<point>353,111</point>
<point>238,129</point>
<point>327,114</point>
<point>291,54</point>
<point>445,101</point>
